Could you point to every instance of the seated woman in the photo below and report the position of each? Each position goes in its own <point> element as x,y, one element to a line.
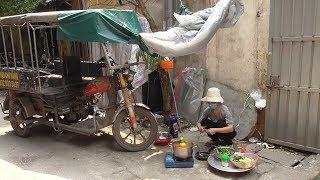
<point>216,119</point>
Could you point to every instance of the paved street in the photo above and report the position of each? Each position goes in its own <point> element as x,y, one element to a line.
<point>71,156</point>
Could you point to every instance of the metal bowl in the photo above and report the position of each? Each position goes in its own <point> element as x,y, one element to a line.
<point>182,152</point>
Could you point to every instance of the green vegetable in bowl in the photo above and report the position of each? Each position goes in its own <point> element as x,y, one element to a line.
<point>225,150</point>
<point>237,158</point>
<point>219,151</point>
<point>246,160</point>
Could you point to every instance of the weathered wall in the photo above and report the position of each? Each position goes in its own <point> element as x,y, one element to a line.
<point>237,57</point>
<point>197,60</point>
<point>92,4</point>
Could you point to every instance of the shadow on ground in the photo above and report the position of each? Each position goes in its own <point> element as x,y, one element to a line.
<point>69,138</point>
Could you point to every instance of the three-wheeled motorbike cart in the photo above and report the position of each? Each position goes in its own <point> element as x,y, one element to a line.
<point>45,86</point>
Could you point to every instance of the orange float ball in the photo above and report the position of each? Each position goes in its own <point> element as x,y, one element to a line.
<point>167,64</point>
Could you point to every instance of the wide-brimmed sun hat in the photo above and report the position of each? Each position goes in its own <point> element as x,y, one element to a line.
<point>213,95</point>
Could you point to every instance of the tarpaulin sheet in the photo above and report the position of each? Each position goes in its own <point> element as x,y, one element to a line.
<point>100,25</point>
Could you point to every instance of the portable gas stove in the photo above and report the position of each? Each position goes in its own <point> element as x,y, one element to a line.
<point>171,161</point>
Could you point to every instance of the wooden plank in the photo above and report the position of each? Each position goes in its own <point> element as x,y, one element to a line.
<point>315,73</point>
<point>285,63</point>
<point>276,55</point>
<point>282,115</point>
<point>306,64</point>
<point>292,116</point>
<point>297,16</point>
<point>295,64</point>
<point>298,38</point>
<point>301,89</point>
<point>271,20</point>
<point>311,132</point>
<point>293,102</point>
<point>318,136</point>
<point>287,18</point>
<point>271,124</point>
<point>277,10</point>
<point>317,17</point>
<point>302,118</point>
<point>308,17</point>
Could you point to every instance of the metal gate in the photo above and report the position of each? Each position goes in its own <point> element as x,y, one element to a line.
<point>293,116</point>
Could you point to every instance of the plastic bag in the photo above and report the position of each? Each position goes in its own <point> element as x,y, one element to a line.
<point>255,95</point>
<point>189,93</point>
<point>261,103</point>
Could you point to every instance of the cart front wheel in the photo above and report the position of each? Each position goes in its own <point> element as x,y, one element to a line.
<point>18,120</point>
<point>139,139</point>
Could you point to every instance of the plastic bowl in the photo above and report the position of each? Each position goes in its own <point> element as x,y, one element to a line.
<point>164,138</point>
<point>243,165</point>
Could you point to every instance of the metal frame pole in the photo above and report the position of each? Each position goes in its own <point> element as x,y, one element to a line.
<point>36,54</point>
<point>13,50</point>
<point>52,45</point>
<point>21,46</point>
<point>30,45</point>
<point>4,46</point>
<point>44,27</point>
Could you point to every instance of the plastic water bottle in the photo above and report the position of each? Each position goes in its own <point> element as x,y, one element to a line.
<point>225,158</point>
<point>173,126</point>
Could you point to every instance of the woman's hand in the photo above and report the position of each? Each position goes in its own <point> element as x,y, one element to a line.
<point>211,131</point>
<point>201,128</point>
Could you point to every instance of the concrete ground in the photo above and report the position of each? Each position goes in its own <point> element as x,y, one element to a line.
<point>48,155</point>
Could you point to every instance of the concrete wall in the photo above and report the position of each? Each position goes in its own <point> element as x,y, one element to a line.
<point>237,57</point>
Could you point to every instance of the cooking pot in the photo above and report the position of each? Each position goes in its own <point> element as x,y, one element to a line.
<point>182,150</point>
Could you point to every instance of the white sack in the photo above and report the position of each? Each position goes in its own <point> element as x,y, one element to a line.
<point>194,31</point>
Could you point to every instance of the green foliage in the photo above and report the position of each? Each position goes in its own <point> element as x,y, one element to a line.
<point>250,103</point>
<point>152,61</point>
<point>13,7</point>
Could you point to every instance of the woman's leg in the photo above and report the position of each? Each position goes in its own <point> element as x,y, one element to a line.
<point>223,138</point>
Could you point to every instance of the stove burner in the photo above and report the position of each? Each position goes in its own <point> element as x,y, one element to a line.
<point>171,161</point>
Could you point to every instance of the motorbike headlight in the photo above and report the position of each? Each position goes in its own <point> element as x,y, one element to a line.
<point>129,75</point>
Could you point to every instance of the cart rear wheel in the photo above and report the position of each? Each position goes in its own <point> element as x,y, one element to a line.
<point>18,120</point>
<point>140,139</point>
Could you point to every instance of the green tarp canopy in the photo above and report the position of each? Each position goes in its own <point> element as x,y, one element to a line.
<point>100,25</point>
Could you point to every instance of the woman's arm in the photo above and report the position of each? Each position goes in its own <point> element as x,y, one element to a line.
<point>204,115</point>
<point>227,129</point>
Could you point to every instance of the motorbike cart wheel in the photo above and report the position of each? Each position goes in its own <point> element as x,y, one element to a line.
<point>142,137</point>
<point>18,118</point>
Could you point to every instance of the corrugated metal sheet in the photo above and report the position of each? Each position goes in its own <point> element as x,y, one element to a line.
<point>293,117</point>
